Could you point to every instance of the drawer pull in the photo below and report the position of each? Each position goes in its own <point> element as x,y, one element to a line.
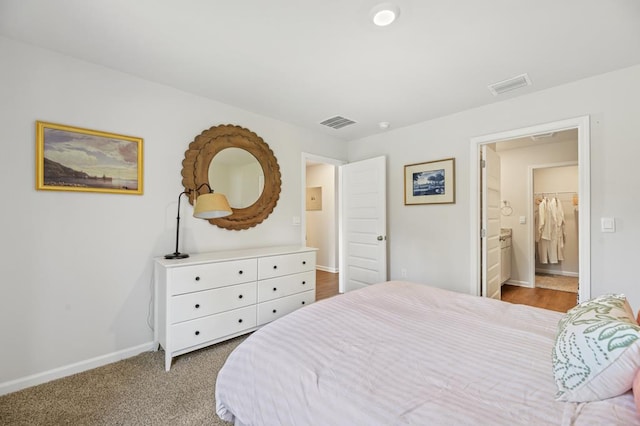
<point>304,282</point>
<point>240,320</point>
<point>197,333</point>
<point>274,311</point>
<point>303,302</point>
<point>240,272</point>
<point>197,278</point>
<point>197,305</point>
<point>275,266</point>
<point>275,289</point>
<point>304,262</point>
<point>240,296</point>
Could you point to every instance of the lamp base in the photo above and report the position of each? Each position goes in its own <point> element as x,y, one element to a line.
<point>176,255</point>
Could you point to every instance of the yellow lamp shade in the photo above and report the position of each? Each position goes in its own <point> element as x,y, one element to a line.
<point>211,206</point>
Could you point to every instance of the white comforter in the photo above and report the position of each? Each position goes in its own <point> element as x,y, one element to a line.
<point>403,353</point>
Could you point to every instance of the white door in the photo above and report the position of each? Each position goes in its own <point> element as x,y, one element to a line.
<point>363,242</point>
<point>490,223</point>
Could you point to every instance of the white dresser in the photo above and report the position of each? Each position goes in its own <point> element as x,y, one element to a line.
<point>211,297</point>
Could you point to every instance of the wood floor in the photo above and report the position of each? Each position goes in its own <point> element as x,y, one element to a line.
<point>326,284</point>
<point>554,300</point>
<point>561,301</point>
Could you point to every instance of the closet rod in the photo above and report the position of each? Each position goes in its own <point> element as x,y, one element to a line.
<point>555,192</point>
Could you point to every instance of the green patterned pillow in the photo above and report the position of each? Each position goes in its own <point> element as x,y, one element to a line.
<point>597,350</point>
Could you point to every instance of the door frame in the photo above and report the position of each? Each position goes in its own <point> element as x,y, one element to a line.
<point>584,190</point>
<point>532,232</point>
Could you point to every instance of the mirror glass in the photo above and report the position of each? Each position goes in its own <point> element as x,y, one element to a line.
<point>237,174</point>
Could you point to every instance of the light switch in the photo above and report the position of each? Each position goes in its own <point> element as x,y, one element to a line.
<point>523,220</point>
<point>295,220</point>
<point>608,224</point>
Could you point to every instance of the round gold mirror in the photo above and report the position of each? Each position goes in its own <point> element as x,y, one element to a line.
<point>235,162</point>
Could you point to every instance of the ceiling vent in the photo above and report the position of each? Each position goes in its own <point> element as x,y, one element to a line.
<point>543,136</point>
<point>514,83</point>
<point>337,122</point>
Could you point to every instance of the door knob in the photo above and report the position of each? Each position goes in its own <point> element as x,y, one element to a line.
<point>380,238</point>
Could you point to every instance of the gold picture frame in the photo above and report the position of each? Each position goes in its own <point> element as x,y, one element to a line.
<point>76,159</point>
<point>432,182</point>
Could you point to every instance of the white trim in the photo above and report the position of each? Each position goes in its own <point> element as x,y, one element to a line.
<point>78,367</point>
<point>518,283</point>
<point>341,261</point>
<point>327,269</point>
<point>555,272</point>
<point>584,192</point>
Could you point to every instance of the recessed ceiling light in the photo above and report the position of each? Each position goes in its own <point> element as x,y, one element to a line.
<point>384,14</point>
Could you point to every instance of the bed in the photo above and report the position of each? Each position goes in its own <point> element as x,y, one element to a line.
<point>404,353</point>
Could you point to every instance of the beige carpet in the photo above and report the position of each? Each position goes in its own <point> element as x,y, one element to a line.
<point>135,391</point>
<point>557,282</point>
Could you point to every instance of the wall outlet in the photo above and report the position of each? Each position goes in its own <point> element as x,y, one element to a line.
<point>403,273</point>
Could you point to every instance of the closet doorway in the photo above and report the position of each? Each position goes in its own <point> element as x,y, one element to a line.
<point>554,190</point>
<point>520,201</point>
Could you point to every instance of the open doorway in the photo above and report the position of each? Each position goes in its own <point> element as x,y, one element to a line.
<point>538,220</point>
<point>519,203</point>
<point>360,219</point>
<point>555,196</point>
<point>320,220</point>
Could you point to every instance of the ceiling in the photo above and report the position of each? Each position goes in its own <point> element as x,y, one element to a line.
<point>305,61</point>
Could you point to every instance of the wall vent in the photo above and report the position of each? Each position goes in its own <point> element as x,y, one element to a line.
<point>337,122</point>
<point>543,136</point>
<point>510,84</point>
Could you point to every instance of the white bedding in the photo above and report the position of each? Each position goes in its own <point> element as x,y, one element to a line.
<point>402,353</point>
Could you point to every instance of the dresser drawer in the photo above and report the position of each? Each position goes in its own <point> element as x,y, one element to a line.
<point>195,332</point>
<point>275,266</point>
<point>211,297</point>
<point>287,285</point>
<point>274,309</point>
<point>202,303</point>
<point>212,275</point>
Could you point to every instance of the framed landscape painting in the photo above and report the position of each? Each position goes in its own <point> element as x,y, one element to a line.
<point>433,182</point>
<point>76,159</point>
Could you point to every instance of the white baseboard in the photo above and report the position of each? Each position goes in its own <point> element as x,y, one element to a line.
<point>78,367</point>
<point>519,283</point>
<point>554,272</point>
<point>327,269</point>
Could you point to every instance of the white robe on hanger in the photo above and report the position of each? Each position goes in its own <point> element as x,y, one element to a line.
<point>543,231</point>
<point>552,217</point>
<point>560,229</point>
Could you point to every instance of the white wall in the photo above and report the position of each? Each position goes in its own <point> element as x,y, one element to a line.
<point>322,226</point>
<point>433,242</point>
<point>514,178</point>
<point>76,267</point>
